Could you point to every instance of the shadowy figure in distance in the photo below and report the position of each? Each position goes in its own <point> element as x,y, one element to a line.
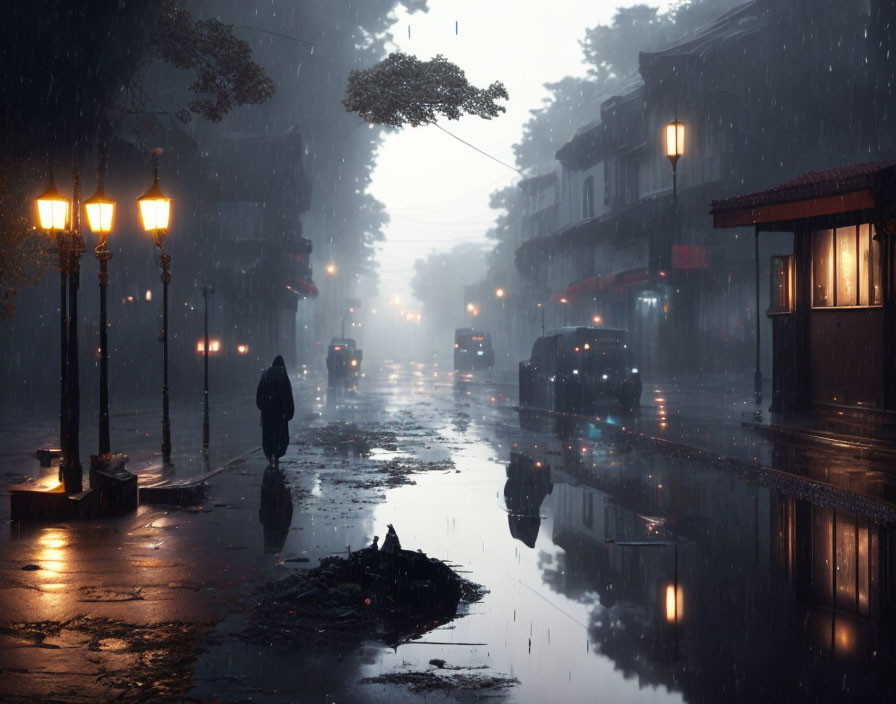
<point>274,400</point>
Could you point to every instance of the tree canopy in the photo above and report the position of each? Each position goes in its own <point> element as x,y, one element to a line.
<point>402,90</point>
<point>226,75</point>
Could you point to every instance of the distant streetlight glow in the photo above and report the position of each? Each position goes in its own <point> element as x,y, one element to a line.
<point>331,269</point>
<point>242,349</point>
<point>499,293</point>
<point>597,320</point>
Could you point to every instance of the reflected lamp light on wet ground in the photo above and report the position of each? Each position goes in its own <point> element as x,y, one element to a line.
<point>52,209</point>
<point>155,208</point>
<point>674,141</point>
<point>100,211</point>
<point>674,606</point>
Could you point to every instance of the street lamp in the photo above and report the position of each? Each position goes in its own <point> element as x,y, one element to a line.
<point>52,211</point>
<point>100,211</point>
<point>499,293</point>
<point>332,269</point>
<point>155,210</point>
<point>674,150</point>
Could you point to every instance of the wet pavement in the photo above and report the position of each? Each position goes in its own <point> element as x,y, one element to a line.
<point>616,569</point>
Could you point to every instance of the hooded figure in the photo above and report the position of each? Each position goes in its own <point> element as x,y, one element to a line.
<point>274,400</point>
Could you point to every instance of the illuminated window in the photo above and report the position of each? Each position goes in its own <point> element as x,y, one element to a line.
<point>846,268</point>
<point>781,294</point>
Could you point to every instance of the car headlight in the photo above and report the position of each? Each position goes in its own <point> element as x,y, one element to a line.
<point>634,370</point>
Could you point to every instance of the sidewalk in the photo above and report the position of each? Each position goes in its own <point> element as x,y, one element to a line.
<point>718,413</point>
<point>135,430</point>
<point>701,411</point>
<point>714,415</point>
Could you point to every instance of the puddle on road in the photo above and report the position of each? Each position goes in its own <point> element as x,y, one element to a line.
<point>610,569</point>
<point>522,628</point>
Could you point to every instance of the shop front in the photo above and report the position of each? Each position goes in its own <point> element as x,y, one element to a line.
<point>831,299</point>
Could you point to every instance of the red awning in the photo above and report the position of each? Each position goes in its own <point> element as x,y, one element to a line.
<point>606,285</point>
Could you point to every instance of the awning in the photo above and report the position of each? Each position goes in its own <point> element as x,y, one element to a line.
<point>605,286</point>
<point>844,189</point>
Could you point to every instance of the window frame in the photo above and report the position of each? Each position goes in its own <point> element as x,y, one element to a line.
<point>874,273</point>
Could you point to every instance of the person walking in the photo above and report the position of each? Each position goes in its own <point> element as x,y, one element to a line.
<point>274,400</point>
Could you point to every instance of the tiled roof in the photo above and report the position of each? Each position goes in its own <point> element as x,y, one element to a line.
<point>813,184</point>
<point>742,21</point>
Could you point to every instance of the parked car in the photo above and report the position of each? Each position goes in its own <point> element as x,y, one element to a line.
<point>472,350</point>
<point>343,363</point>
<point>572,368</point>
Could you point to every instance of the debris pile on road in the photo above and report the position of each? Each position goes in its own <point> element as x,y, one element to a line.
<point>382,592</point>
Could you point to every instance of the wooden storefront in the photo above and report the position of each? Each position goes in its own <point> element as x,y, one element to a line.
<point>832,299</point>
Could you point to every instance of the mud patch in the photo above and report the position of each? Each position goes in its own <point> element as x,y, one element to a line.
<point>396,472</point>
<point>431,681</point>
<point>130,662</point>
<point>348,439</point>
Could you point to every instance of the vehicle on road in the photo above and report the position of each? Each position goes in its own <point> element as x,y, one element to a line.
<point>472,350</point>
<point>343,363</point>
<point>573,368</point>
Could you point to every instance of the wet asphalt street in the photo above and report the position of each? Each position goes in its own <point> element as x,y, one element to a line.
<point>615,571</point>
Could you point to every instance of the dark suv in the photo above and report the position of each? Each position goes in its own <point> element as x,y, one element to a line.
<point>343,363</point>
<point>571,369</point>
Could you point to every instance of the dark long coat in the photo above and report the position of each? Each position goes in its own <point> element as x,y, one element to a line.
<point>274,400</point>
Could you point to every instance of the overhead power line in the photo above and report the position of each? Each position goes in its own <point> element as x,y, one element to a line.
<point>472,146</point>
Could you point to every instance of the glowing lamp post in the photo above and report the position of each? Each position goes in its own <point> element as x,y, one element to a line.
<point>100,211</point>
<point>674,151</point>
<point>52,212</point>
<point>52,209</point>
<point>155,210</point>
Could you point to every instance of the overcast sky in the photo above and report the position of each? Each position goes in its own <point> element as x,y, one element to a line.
<point>435,189</point>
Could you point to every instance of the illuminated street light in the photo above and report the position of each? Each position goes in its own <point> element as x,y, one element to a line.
<point>52,209</point>
<point>597,320</point>
<point>242,349</point>
<point>53,215</point>
<point>674,141</point>
<point>100,211</point>
<point>331,269</point>
<point>499,293</point>
<point>155,211</point>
